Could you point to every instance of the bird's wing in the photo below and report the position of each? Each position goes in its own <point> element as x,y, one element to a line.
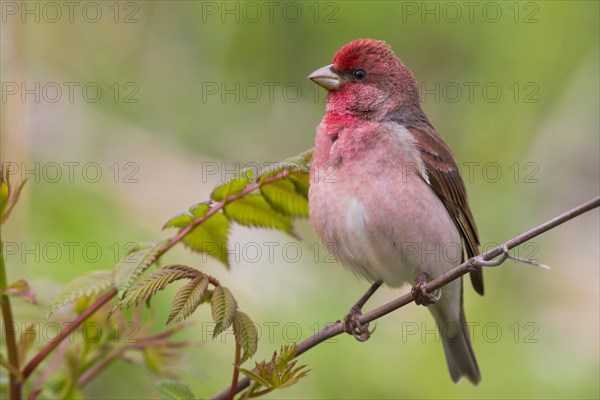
<point>445,180</point>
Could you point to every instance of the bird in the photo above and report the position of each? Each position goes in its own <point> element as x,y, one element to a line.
<point>386,196</point>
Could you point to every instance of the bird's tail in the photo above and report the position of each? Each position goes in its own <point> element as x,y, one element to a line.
<point>456,341</point>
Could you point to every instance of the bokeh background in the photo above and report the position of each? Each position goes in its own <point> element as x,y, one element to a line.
<point>164,99</point>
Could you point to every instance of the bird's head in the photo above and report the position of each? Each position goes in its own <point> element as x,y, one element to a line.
<point>367,80</point>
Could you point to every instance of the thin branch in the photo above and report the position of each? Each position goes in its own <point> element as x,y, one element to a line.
<point>14,382</point>
<point>236,372</point>
<point>96,369</point>
<point>216,207</point>
<point>471,264</point>
<point>64,333</point>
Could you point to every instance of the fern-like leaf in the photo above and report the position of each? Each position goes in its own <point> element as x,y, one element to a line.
<point>187,299</point>
<point>146,287</point>
<point>223,308</point>
<point>286,354</point>
<point>172,390</point>
<point>280,372</point>
<point>88,285</point>
<point>302,184</point>
<point>294,165</point>
<point>253,210</point>
<point>232,186</point>
<point>246,335</point>
<point>282,195</point>
<point>210,237</point>
<point>134,264</point>
<point>180,220</point>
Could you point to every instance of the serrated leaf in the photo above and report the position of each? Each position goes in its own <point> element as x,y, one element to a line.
<point>302,184</point>
<point>232,186</point>
<point>254,210</point>
<point>292,375</point>
<point>146,287</point>
<point>179,220</point>
<point>246,335</point>
<point>21,289</point>
<point>134,264</point>
<point>210,238</point>
<point>223,309</point>
<point>199,210</point>
<point>306,157</point>
<point>278,373</point>
<point>286,354</point>
<point>187,299</point>
<point>282,195</point>
<point>172,390</point>
<point>295,165</point>
<point>255,377</point>
<point>88,285</point>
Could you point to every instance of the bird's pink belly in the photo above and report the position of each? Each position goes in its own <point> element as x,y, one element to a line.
<point>388,229</point>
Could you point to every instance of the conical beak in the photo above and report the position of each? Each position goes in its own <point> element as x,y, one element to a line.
<point>326,78</point>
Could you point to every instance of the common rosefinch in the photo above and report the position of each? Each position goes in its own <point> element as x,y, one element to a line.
<point>386,196</point>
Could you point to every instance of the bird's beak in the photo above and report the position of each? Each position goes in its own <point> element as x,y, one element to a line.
<point>326,78</point>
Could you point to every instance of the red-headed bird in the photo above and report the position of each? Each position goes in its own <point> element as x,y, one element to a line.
<point>386,196</point>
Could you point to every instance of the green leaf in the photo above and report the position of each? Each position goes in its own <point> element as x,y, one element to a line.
<point>232,186</point>
<point>4,190</point>
<point>223,308</point>
<point>20,288</point>
<point>134,264</point>
<point>280,372</point>
<point>172,390</point>
<point>302,184</point>
<point>8,197</point>
<point>246,335</point>
<point>255,377</point>
<point>292,375</point>
<point>179,221</point>
<point>150,284</point>
<point>286,354</point>
<point>282,195</point>
<point>199,210</point>
<point>27,339</point>
<point>210,238</point>
<point>187,299</point>
<point>88,285</point>
<point>297,165</point>
<point>253,210</point>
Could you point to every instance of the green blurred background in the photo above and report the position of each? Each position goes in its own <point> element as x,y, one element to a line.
<point>192,91</point>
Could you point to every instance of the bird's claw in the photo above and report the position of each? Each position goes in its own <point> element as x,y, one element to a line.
<point>360,331</point>
<point>420,294</point>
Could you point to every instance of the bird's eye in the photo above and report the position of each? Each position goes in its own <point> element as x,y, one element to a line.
<point>360,74</point>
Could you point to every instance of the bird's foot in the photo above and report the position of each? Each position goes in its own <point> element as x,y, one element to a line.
<point>352,322</point>
<point>420,294</point>
<point>360,331</point>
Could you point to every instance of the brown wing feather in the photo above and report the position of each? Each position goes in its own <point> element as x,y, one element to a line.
<point>446,181</point>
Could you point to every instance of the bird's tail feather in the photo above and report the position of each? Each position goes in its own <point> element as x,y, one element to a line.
<point>459,352</point>
<point>454,332</point>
